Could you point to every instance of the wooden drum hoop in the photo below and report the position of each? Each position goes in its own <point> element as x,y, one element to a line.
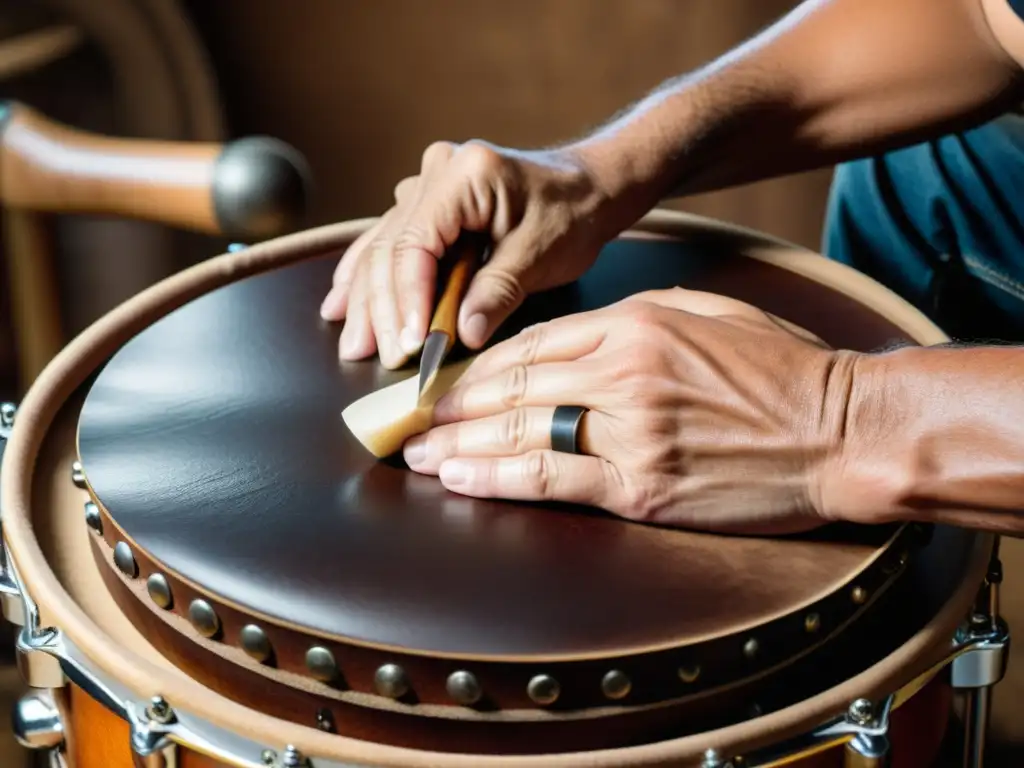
<point>59,642</point>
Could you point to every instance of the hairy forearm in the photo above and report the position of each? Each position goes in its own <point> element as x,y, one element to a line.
<point>934,434</point>
<point>833,80</point>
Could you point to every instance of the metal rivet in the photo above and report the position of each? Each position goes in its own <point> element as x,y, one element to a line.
<point>859,595</point>
<point>616,684</point>
<point>751,648</point>
<point>293,758</point>
<point>160,591</point>
<point>543,690</point>
<point>77,474</point>
<point>320,663</point>
<point>93,518</point>
<point>256,643</point>
<point>464,688</point>
<point>861,712</point>
<point>8,412</point>
<point>712,759</point>
<point>125,560</point>
<point>390,680</point>
<point>812,623</point>
<point>268,756</point>
<point>204,618</point>
<point>160,711</point>
<point>689,674</point>
<point>325,720</point>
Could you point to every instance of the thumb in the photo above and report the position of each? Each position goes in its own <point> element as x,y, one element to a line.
<point>495,292</point>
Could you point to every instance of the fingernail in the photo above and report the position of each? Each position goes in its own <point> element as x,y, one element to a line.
<point>347,346</point>
<point>453,473</point>
<point>329,307</point>
<point>476,327</point>
<point>415,451</point>
<point>408,340</point>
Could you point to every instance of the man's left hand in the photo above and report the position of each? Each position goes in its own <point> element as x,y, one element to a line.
<point>703,412</point>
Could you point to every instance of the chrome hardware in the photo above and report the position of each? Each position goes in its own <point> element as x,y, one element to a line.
<point>464,688</point>
<point>713,760</point>
<point>869,747</point>
<point>94,520</point>
<point>160,591</point>
<point>391,681</point>
<point>204,618</point>
<point>256,643</point>
<point>321,665</point>
<point>616,684</point>
<point>36,723</point>
<point>292,758</point>
<point>78,475</point>
<point>10,595</point>
<point>977,670</point>
<point>125,560</point>
<point>7,414</point>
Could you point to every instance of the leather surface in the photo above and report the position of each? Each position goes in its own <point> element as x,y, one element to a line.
<point>214,439</point>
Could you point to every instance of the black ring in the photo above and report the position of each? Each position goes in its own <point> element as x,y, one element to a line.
<point>565,426</point>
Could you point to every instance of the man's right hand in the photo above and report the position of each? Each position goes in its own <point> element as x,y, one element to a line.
<point>540,208</point>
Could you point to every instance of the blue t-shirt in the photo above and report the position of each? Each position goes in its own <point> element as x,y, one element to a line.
<point>1017,6</point>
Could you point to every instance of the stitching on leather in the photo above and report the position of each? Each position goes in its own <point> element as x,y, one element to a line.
<point>996,278</point>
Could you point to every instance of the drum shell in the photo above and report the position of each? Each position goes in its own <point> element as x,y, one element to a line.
<point>99,739</point>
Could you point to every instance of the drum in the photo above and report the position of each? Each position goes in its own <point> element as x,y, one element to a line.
<point>210,571</point>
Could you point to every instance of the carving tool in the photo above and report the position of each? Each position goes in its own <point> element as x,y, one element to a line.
<point>464,258</point>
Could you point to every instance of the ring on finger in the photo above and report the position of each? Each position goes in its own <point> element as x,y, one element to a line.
<point>565,428</point>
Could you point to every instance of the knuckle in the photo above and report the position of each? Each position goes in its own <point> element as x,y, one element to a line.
<point>516,386</point>
<point>436,153</point>
<point>541,471</point>
<point>503,289</point>
<point>515,430</point>
<point>530,341</point>
<point>479,159</point>
<point>637,503</point>
<point>404,188</point>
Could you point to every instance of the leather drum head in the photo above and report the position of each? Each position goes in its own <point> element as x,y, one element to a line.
<point>263,549</point>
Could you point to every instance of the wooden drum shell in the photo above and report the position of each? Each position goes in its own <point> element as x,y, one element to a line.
<point>48,542</point>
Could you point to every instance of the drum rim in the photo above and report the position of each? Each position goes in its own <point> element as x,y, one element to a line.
<point>67,371</point>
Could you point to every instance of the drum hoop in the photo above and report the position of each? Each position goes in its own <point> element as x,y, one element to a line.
<point>68,369</point>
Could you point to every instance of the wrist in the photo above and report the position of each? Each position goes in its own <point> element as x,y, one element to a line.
<point>872,473</point>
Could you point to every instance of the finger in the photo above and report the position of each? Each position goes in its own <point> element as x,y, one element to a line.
<point>357,340</point>
<point>536,476</point>
<point>415,277</point>
<point>546,384</point>
<point>383,303</point>
<point>699,302</point>
<point>335,303</point>
<point>511,433</point>
<point>496,291</point>
<point>562,339</point>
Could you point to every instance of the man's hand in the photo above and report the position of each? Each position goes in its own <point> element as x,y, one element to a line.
<point>539,209</point>
<point>704,412</point>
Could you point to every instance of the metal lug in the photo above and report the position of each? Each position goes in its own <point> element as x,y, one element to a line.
<point>39,668</point>
<point>36,723</point>
<point>984,663</point>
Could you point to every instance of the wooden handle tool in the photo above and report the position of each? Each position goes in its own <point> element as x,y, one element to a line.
<point>465,255</point>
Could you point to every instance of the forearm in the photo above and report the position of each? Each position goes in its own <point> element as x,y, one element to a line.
<point>934,434</point>
<point>835,79</point>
